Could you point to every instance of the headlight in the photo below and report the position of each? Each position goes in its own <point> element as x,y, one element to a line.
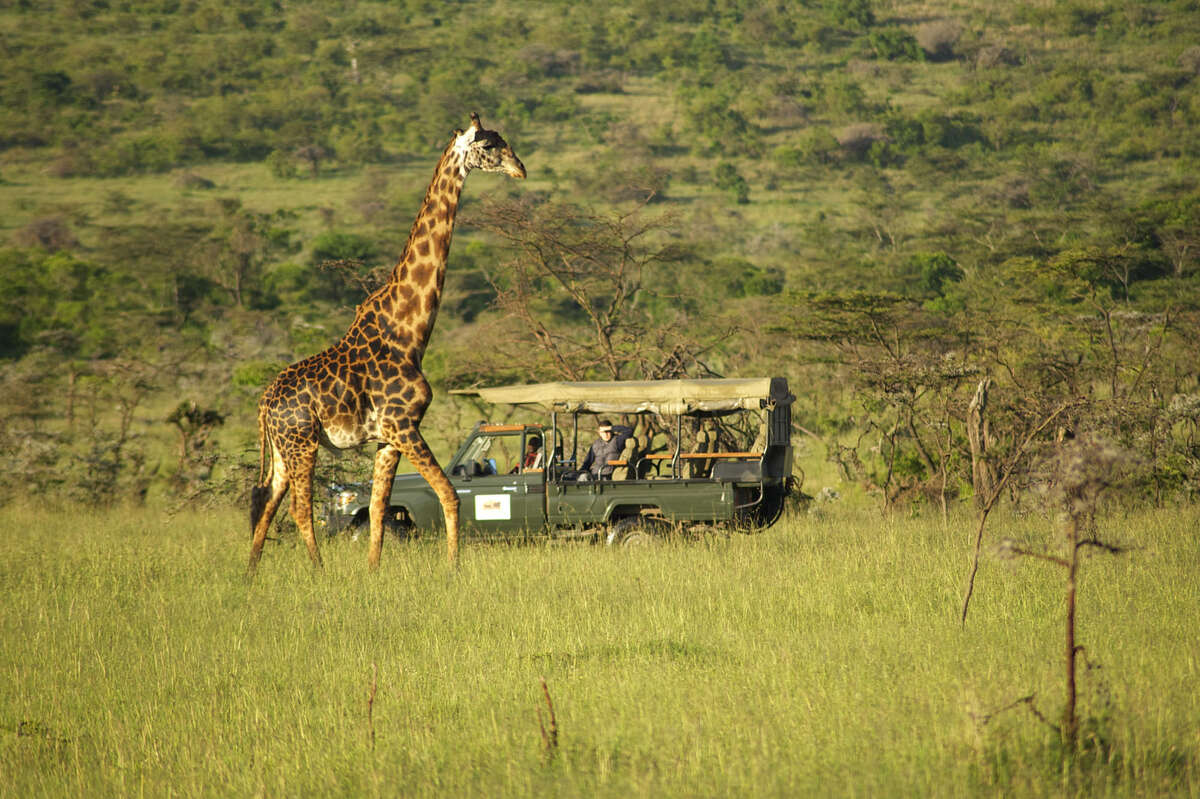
<point>343,499</point>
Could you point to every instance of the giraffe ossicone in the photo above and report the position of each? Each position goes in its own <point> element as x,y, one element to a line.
<point>369,386</point>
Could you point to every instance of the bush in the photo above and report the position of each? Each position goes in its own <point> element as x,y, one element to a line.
<point>727,179</point>
<point>341,260</point>
<point>895,44</point>
<point>281,165</point>
<point>938,38</point>
<point>337,246</point>
<point>815,147</point>
<point>711,114</point>
<point>935,269</point>
<point>857,139</point>
<point>845,96</point>
<point>256,374</point>
<point>850,13</point>
<point>1189,60</point>
<point>991,56</point>
<point>51,233</point>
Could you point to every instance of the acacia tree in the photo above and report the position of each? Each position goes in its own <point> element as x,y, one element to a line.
<point>913,371</point>
<point>585,295</point>
<point>236,253</point>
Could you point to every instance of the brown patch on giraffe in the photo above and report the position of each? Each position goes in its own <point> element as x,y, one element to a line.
<point>422,272</point>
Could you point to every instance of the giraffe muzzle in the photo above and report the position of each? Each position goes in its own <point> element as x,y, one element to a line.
<point>514,168</point>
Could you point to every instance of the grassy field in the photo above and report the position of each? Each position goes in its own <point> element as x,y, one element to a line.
<point>823,655</point>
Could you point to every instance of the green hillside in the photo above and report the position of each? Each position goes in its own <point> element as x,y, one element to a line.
<point>888,202</point>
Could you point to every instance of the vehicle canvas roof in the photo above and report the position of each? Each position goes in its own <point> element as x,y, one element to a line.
<point>635,396</point>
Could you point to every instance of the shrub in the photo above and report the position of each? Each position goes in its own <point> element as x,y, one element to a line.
<point>710,113</point>
<point>735,277</point>
<point>991,56</point>
<point>935,269</point>
<point>843,95</point>
<point>727,179</point>
<point>337,246</point>
<point>938,38</point>
<point>816,146</point>
<point>1189,59</point>
<point>256,374</point>
<point>858,138</point>
<point>281,165</point>
<point>340,258</point>
<point>51,233</point>
<point>895,44</point>
<point>850,13</point>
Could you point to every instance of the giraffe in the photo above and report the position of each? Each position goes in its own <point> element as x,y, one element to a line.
<point>369,386</point>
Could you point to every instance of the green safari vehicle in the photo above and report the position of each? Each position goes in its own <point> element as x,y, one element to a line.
<point>702,452</point>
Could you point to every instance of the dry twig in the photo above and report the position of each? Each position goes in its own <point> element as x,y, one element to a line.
<point>550,736</point>
<point>371,705</point>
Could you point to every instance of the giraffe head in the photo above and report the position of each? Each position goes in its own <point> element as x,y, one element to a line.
<point>486,150</point>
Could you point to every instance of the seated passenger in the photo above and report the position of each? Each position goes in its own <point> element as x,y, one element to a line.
<point>606,448</point>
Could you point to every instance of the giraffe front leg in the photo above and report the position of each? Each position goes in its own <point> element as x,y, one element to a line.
<point>386,459</point>
<point>421,457</point>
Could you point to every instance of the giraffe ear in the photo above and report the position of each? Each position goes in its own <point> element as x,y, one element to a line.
<point>458,132</point>
<point>475,123</point>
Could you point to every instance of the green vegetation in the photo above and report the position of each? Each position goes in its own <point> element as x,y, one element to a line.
<point>167,167</point>
<point>823,655</point>
<point>968,233</point>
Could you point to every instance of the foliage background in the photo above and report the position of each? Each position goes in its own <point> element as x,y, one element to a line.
<point>885,201</point>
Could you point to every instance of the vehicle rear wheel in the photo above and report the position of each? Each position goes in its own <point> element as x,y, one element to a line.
<point>637,531</point>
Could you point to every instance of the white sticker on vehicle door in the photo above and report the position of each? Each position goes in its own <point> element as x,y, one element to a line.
<point>493,506</point>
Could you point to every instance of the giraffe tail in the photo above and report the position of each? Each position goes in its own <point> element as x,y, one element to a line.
<point>261,491</point>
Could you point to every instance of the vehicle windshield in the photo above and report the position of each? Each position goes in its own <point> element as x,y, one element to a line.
<point>501,452</point>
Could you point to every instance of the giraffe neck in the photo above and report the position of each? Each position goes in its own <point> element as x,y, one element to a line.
<point>415,288</point>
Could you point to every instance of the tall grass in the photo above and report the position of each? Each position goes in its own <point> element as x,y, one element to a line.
<point>824,655</point>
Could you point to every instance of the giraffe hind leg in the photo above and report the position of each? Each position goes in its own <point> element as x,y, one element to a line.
<point>264,502</point>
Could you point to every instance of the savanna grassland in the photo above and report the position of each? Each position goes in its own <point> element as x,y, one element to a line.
<point>824,656</point>
<point>967,232</point>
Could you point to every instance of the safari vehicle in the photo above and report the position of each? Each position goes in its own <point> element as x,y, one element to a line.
<point>703,452</point>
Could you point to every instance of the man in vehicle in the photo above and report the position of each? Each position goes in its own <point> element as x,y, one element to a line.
<point>607,447</point>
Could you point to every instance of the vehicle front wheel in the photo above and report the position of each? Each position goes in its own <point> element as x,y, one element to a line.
<point>360,529</point>
<point>637,531</point>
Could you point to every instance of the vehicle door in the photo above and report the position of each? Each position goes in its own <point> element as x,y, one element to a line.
<point>496,494</point>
